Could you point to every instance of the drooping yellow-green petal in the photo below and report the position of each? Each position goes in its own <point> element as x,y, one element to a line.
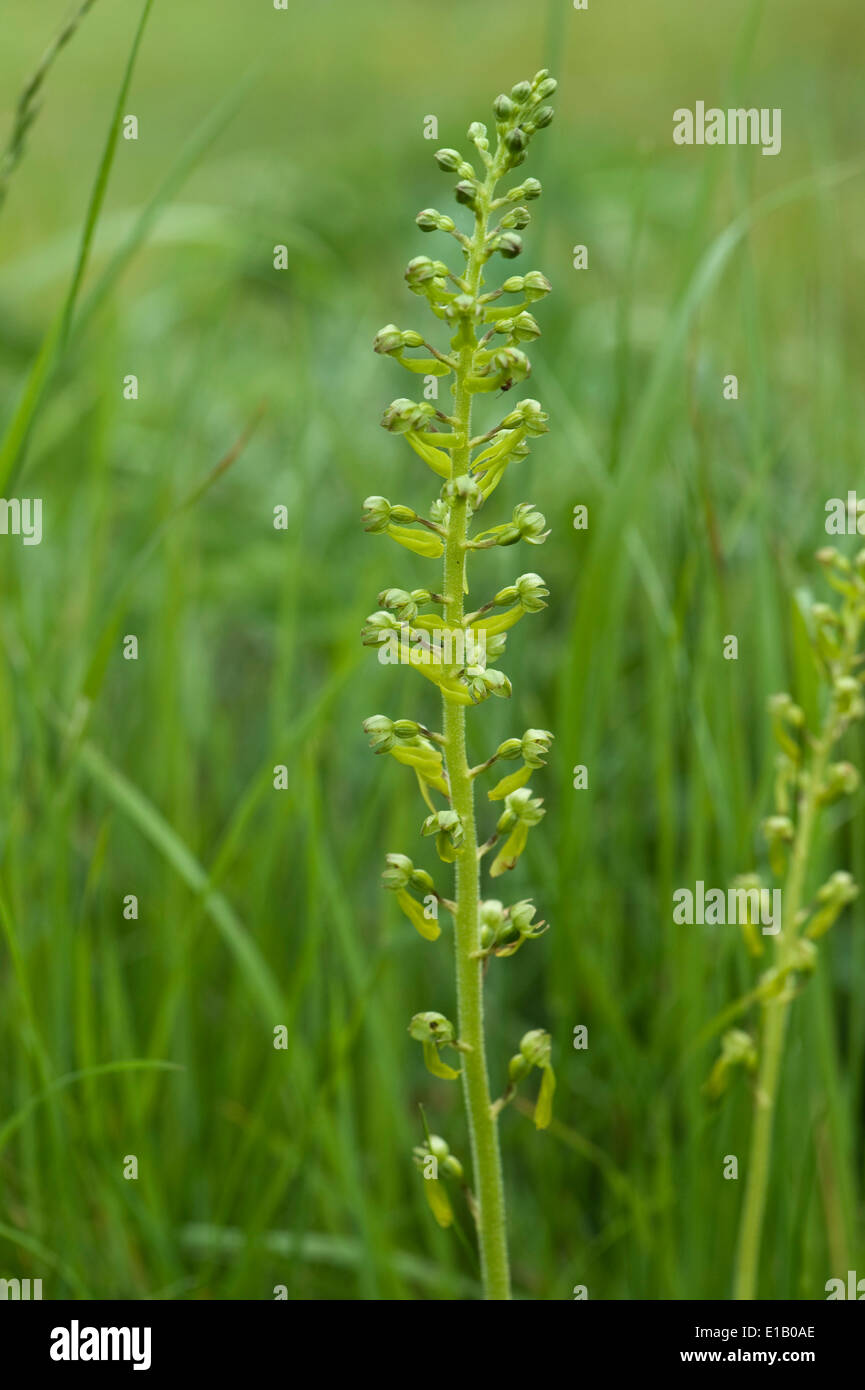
<point>499,622</point>
<point>426,760</point>
<point>511,948</point>
<point>753,944</point>
<point>430,622</point>
<point>456,693</point>
<point>511,850</point>
<point>420,542</point>
<point>434,458</point>
<point>500,448</point>
<point>435,1064</point>
<point>492,477</point>
<point>451,688</point>
<point>544,1106</point>
<point>439,1202</point>
<point>822,920</point>
<point>445,848</point>
<point>428,766</point>
<point>424,366</point>
<point>423,788</point>
<point>428,928</point>
<point>510,783</point>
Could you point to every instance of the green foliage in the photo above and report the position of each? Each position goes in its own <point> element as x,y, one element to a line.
<point>262,1167</point>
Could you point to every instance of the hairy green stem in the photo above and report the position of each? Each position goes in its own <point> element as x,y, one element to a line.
<point>482,1123</point>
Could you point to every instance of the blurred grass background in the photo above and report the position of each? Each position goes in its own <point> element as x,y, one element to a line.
<point>261,1167</point>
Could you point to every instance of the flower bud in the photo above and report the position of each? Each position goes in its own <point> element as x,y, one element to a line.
<point>438,1147</point>
<point>402,515</point>
<point>430,220</point>
<point>521,91</point>
<point>448,830</point>
<point>778,828</point>
<point>385,733</point>
<point>528,416</point>
<point>545,88</point>
<point>542,118</point>
<point>778,831</point>
<point>511,748</point>
<point>388,339</point>
<point>421,273</point>
<point>448,1164</point>
<point>376,512</point>
<point>449,160</point>
<point>379,730</point>
<point>786,716</point>
<point>536,285</point>
<point>482,681</point>
<point>522,328</point>
<point>477,133</point>
<point>527,524</point>
<point>400,602</point>
<point>508,243</point>
<point>848,697</point>
<point>842,779</point>
<point>781,706</point>
<point>439,1150</point>
<point>492,912</point>
<point>492,644</point>
<point>829,557</point>
<point>509,364</point>
<point>535,745</point>
<point>403,415</point>
<point>378,628</point>
<point>517,219</point>
<point>466,487</point>
<point>531,592</point>
<point>492,919</point>
<point>466,193</point>
<point>531,523</point>
<point>520,805</point>
<point>521,919</point>
<point>832,898</point>
<point>398,873</point>
<point>406,728</point>
<point>737,1049</point>
<point>401,874</point>
<point>503,107</point>
<point>432,1027</point>
<point>518,1069</point>
<point>536,1047</point>
<point>516,139</point>
<point>803,956</point>
<point>464,306</point>
<point>839,887</point>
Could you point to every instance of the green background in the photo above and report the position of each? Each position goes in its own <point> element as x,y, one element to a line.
<point>260,1167</point>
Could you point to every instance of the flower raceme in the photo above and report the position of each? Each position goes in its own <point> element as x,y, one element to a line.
<point>807,780</point>
<point>455,647</point>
